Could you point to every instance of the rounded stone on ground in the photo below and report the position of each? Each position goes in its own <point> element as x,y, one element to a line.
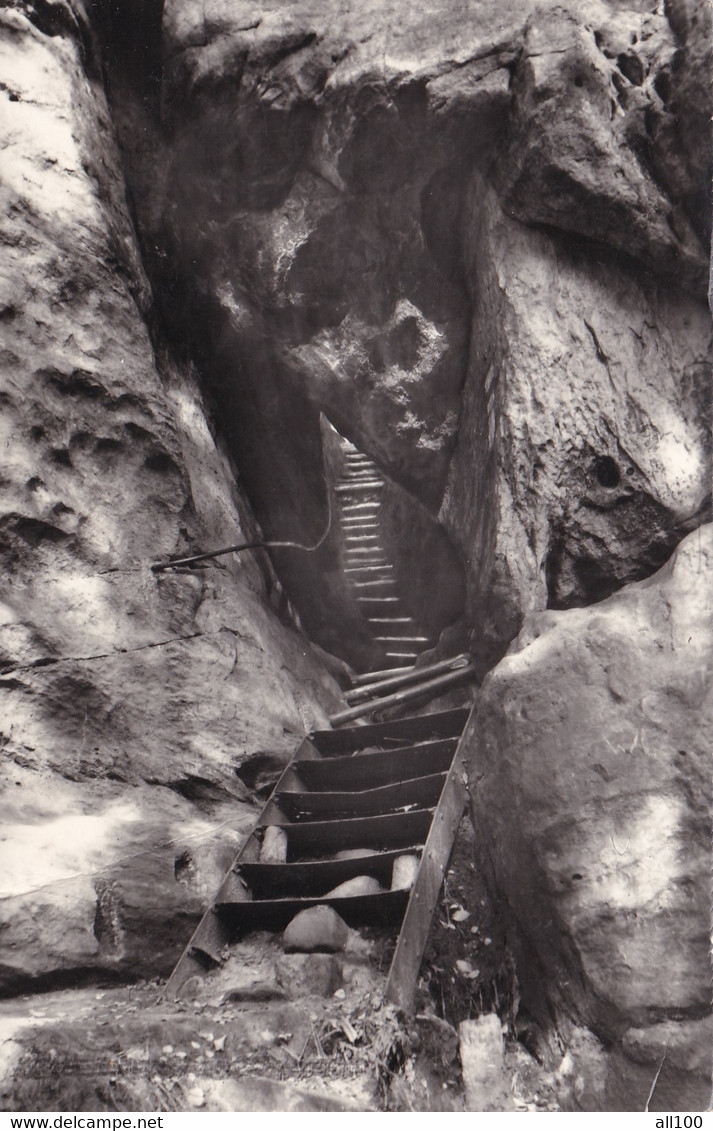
<point>319,975</point>
<point>193,988</point>
<point>438,1037</point>
<point>358,885</point>
<point>273,849</point>
<point>404,872</point>
<point>316,928</point>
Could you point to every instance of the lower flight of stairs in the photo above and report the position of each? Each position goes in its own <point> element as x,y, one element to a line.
<point>379,803</point>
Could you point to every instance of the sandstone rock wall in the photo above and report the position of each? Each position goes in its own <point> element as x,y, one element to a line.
<point>477,239</point>
<point>129,699</point>
<point>583,453</point>
<point>592,797</point>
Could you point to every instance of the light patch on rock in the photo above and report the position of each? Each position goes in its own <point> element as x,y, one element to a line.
<point>37,855</point>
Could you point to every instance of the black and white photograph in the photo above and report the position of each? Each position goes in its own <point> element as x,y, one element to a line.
<point>356,622</point>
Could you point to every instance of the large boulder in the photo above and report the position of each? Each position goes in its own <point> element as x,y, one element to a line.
<point>129,699</point>
<point>591,149</point>
<point>583,453</point>
<point>591,763</point>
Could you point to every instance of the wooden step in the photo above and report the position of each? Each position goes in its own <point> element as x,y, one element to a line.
<point>369,771</point>
<point>293,805</point>
<point>315,878</point>
<point>371,485</point>
<point>379,600</point>
<point>375,560</point>
<point>402,639</point>
<point>380,909</point>
<point>324,838</point>
<point>371,584</point>
<point>376,676</point>
<point>368,569</point>
<point>397,732</point>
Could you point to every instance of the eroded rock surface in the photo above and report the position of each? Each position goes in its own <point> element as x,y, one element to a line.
<point>591,758</point>
<point>129,699</point>
<point>479,231</point>
<point>583,453</point>
<point>591,147</point>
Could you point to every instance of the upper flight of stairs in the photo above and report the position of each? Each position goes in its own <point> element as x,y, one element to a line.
<point>367,567</point>
<point>391,789</point>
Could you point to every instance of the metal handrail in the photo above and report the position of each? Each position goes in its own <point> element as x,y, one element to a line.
<point>158,567</point>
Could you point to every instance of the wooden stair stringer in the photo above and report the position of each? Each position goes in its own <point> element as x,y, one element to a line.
<point>416,923</point>
<point>257,894</point>
<point>213,932</point>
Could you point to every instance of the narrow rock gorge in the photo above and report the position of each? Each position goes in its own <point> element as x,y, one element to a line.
<point>253,254</point>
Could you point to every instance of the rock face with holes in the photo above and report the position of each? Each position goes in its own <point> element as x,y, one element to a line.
<point>591,753</point>
<point>588,414</point>
<point>128,699</point>
<point>476,238</point>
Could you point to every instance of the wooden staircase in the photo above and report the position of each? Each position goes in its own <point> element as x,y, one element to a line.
<point>367,567</point>
<point>390,789</point>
